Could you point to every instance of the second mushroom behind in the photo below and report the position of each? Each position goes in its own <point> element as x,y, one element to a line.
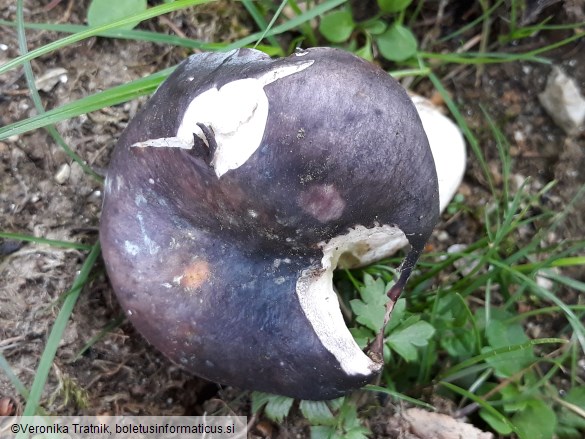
<point>235,193</point>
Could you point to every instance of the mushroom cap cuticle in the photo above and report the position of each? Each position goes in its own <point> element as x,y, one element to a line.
<point>308,171</point>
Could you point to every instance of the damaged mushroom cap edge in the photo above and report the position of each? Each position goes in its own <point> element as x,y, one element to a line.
<point>239,188</point>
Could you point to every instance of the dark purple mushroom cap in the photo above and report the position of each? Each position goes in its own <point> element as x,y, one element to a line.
<point>238,189</point>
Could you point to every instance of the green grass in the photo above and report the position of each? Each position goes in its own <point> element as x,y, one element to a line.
<point>474,348</point>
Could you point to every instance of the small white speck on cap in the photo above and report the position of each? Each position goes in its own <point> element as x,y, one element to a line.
<point>140,200</point>
<point>131,248</point>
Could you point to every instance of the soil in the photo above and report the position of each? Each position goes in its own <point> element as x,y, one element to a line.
<point>122,374</point>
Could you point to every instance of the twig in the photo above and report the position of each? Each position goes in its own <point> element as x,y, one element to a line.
<point>164,20</point>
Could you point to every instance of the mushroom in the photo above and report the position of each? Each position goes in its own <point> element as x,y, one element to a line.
<point>239,188</point>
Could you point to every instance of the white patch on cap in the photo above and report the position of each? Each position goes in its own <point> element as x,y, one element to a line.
<point>237,115</point>
<point>131,248</point>
<point>152,246</point>
<point>320,304</point>
<point>108,185</point>
<point>164,142</point>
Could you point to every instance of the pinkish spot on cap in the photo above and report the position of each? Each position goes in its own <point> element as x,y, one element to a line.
<point>322,201</point>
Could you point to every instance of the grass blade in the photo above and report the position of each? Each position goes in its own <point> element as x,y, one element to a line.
<point>290,24</point>
<point>14,380</point>
<point>51,242</point>
<point>36,98</point>
<point>260,20</point>
<point>471,139</point>
<point>56,334</point>
<point>104,331</point>
<point>482,58</point>
<point>575,322</point>
<point>480,402</point>
<point>400,396</point>
<point>112,96</point>
<point>123,34</point>
<point>271,24</point>
<point>95,31</point>
<point>495,352</point>
<point>140,87</point>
